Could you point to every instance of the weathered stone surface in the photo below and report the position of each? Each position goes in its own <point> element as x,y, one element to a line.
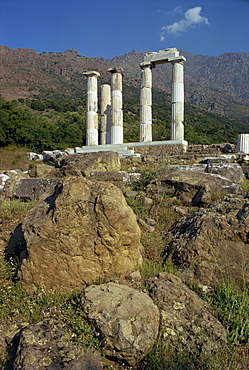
<point>44,346</point>
<point>34,188</point>
<point>185,317</point>
<point>212,245</point>
<point>41,170</point>
<point>127,320</point>
<point>11,183</point>
<point>84,164</point>
<point>192,187</point>
<point>145,201</point>
<point>131,194</point>
<point>115,177</point>
<point>83,232</point>
<point>231,171</point>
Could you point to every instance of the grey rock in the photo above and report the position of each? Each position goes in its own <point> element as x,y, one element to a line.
<point>127,320</point>
<point>131,194</point>
<point>12,182</point>
<point>191,187</point>
<point>34,188</point>
<point>145,201</point>
<point>211,245</point>
<point>230,171</point>
<point>185,318</point>
<point>150,221</point>
<point>46,346</point>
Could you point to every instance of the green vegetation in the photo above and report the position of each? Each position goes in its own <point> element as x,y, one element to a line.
<point>145,178</point>
<point>231,307</point>
<point>167,356</point>
<point>152,268</point>
<point>47,129</point>
<point>56,121</point>
<point>13,207</point>
<point>65,310</point>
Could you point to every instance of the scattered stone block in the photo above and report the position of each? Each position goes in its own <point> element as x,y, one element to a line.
<point>34,188</point>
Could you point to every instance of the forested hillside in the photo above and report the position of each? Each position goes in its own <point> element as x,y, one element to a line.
<point>45,124</point>
<point>43,97</point>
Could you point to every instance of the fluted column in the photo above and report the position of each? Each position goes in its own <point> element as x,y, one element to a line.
<point>105,115</point>
<point>177,101</point>
<point>146,102</point>
<point>243,143</point>
<point>92,108</point>
<point>116,106</point>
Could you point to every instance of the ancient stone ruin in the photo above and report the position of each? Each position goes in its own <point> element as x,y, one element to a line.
<point>111,103</point>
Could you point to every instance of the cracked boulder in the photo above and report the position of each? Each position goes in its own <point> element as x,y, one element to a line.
<point>82,233</point>
<point>211,246</point>
<point>126,319</point>
<point>46,346</point>
<point>186,319</point>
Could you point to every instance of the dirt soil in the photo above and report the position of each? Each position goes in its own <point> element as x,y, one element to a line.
<point>13,157</point>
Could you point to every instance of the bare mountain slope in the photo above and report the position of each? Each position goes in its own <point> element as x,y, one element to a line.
<point>219,84</point>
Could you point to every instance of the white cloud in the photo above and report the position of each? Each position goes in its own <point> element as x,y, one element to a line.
<point>191,18</point>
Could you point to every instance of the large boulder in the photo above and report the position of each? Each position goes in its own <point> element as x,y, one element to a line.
<point>211,245</point>
<point>83,164</point>
<point>230,171</point>
<point>186,319</point>
<point>192,187</point>
<point>47,346</point>
<point>82,233</point>
<point>41,170</point>
<point>126,319</point>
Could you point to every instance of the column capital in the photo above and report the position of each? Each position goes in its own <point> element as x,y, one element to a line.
<point>91,74</point>
<point>116,70</point>
<point>181,60</point>
<point>144,65</point>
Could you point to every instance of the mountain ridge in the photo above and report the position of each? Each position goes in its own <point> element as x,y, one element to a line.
<point>218,84</point>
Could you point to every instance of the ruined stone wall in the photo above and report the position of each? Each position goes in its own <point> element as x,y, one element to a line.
<point>160,150</point>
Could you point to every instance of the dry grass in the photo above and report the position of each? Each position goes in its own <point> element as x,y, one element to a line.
<point>13,157</point>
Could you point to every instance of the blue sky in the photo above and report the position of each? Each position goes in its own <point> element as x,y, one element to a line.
<point>108,28</point>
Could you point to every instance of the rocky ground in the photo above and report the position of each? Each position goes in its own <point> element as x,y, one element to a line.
<point>119,262</point>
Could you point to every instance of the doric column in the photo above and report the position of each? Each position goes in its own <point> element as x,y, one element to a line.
<point>243,143</point>
<point>146,102</point>
<point>116,106</point>
<point>105,114</point>
<point>92,108</point>
<point>177,101</point>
